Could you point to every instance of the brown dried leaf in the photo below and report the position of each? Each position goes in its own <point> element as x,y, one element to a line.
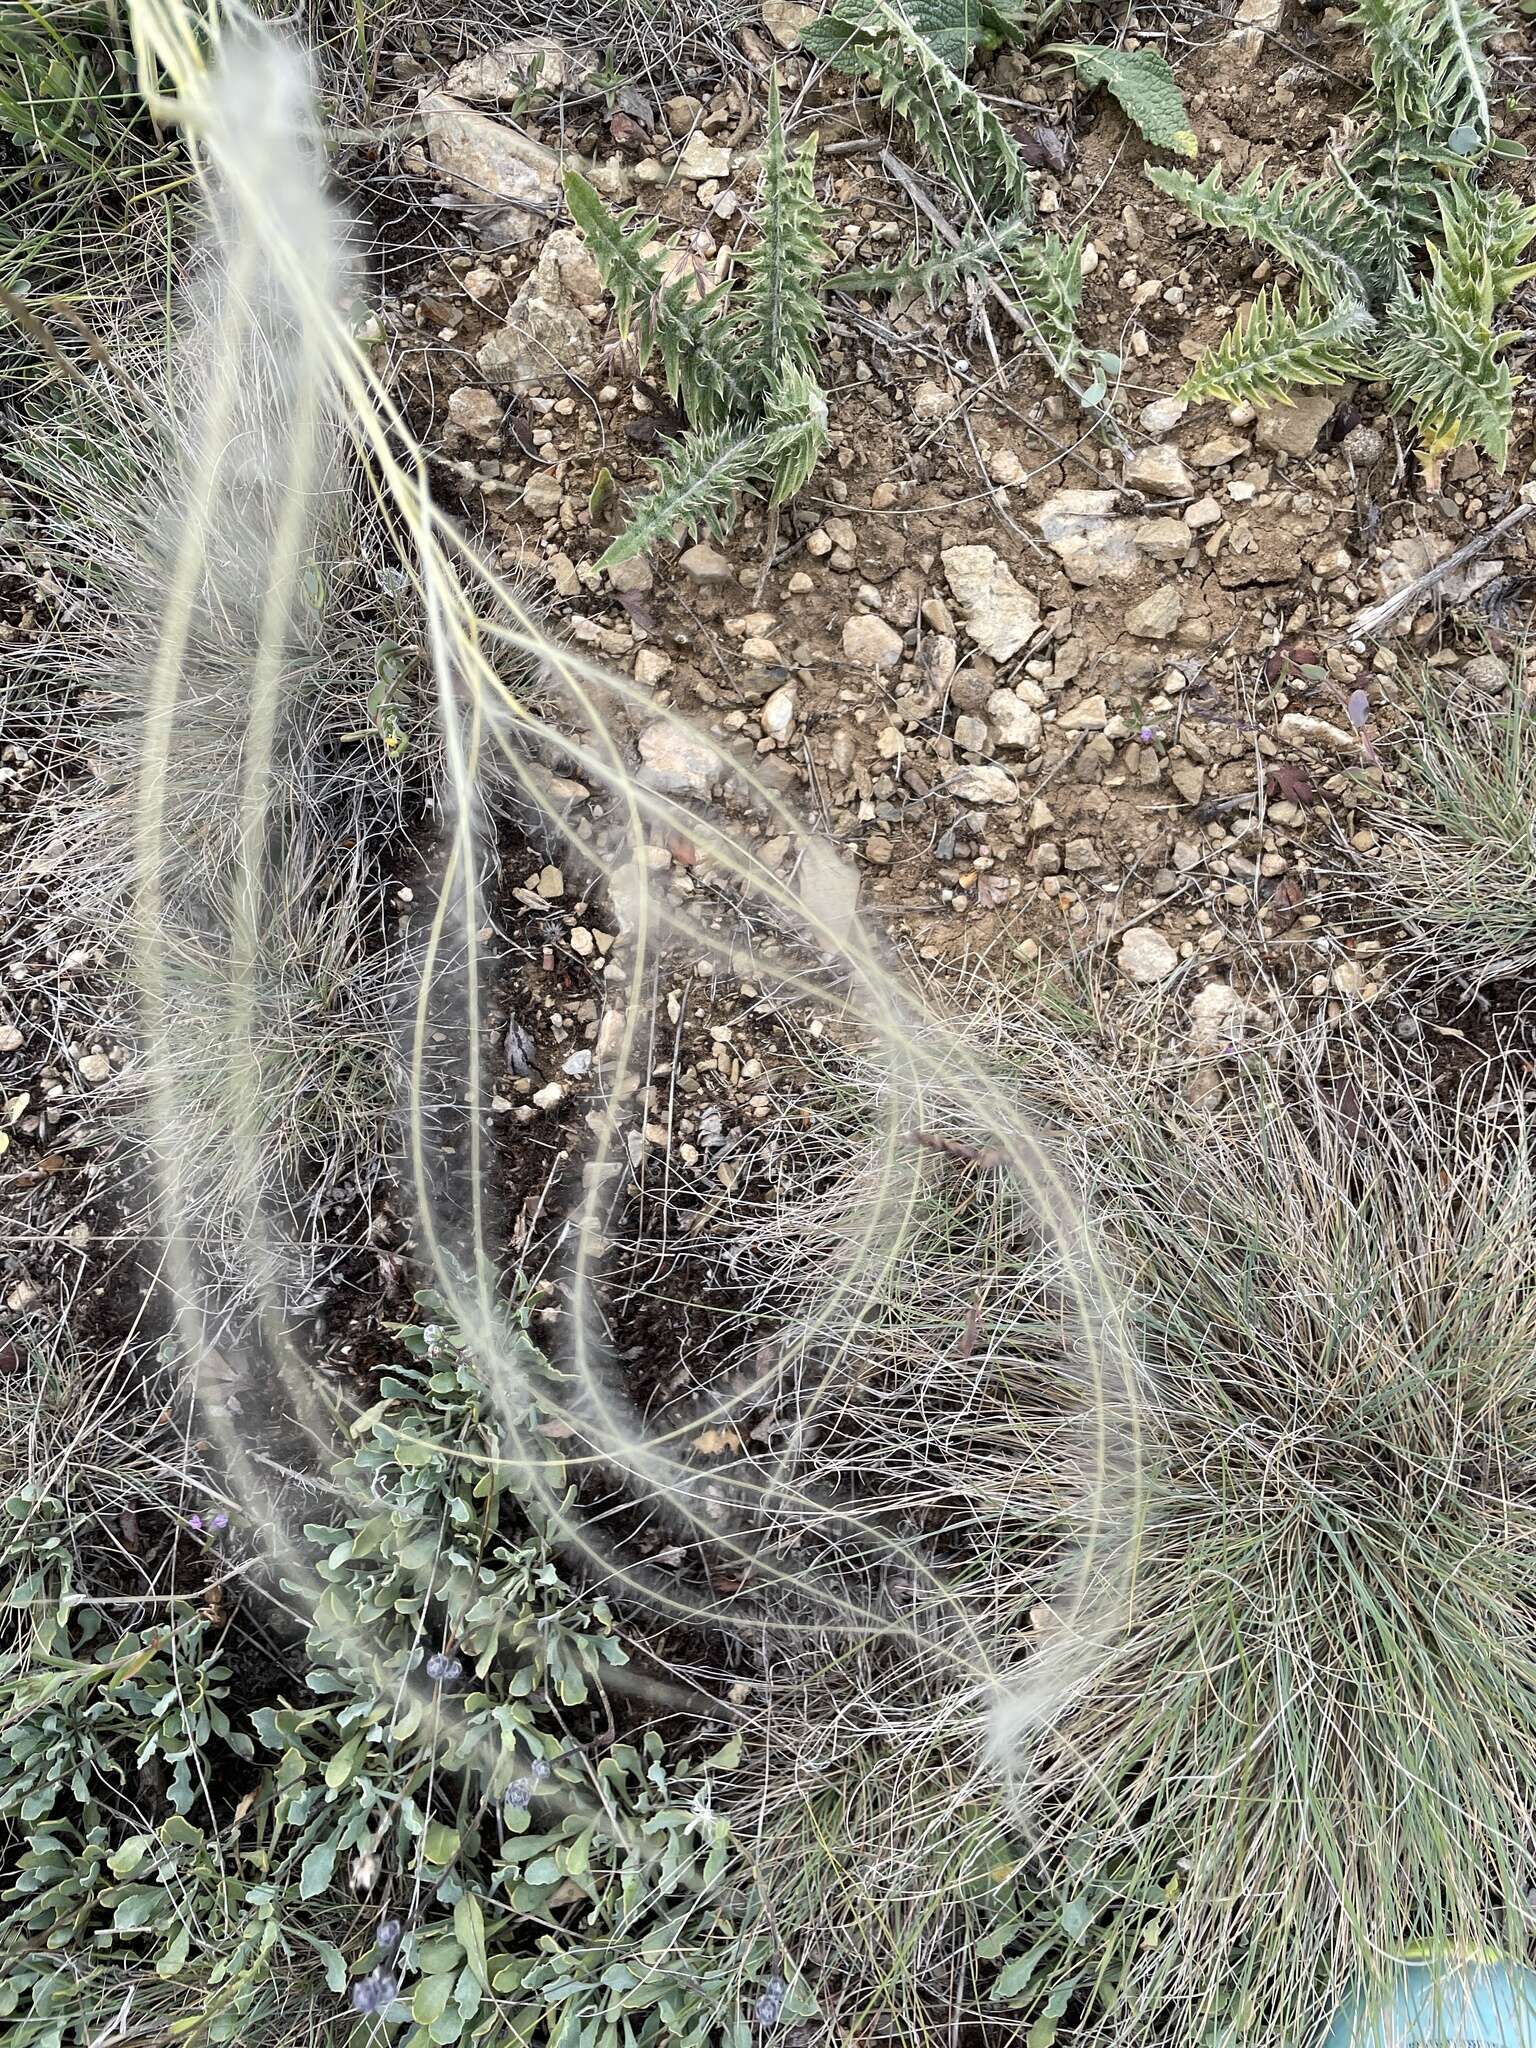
<point>1286,783</point>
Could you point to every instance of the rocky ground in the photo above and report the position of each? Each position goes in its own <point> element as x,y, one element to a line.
<point>1049,690</point>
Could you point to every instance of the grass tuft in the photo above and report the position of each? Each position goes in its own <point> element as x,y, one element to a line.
<point>1457,868</point>
<point>1310,1745</point>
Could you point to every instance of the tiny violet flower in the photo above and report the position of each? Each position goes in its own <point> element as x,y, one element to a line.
<point>195,1522</point>
<point>388,1936</point>
<point>439,1666</point>
<point>518,1794</point>
<point>1147,734</point>
<point>220,1521</point>
<point>374,1992</point>
<point>538,1770</point>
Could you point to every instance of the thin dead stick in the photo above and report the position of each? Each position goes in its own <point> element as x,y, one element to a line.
<point>1375,616</point>
<point>38,334</point>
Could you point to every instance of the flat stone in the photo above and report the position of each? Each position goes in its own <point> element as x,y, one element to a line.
<point>1156,617</point>
<point>676,761</point>
<point>784,20</point>
<point>1216,1018</point>
<point>566,270</point>
<point>706,565</point>
<point>652,667</point>
<point>489,160</point>
<point>972,735</point>
<point>1000,615</point>
<point>1014,723</point>
<point>1092,545</point>
<point>1294,429</point>
<point>777,716</point>
<point>1297,729</point>
<point>95,1068</point>
<point>1221,449</point>
<point>542,494</point>
<point>1086,716</point>
<point>505,72</point>
<point>1204,512</point>
<point>871,642</point>
<point>931,402</point>
<point>1165,540</point>
<point>702,159</point>
<point>543,342</point>
<point>636,575</point>
<point>1146,956</point>
<point>983,785</point>
<point>1162,415</point>
<point>1159,473</point>
<point>476,412</point>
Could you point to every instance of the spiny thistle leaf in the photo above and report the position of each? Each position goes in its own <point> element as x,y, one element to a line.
<point>660,314</point>
<point>1326,231</point>
<point>1483,236</point>
<point>1429,66</point>
<point>1446,371</point>
<point>1015,21</point>
<point>696,489</point>
<point>628,260</point>
<point>887,40</point>
<point>782,314</point>
<point>1393,33</point>
<point>1144,85</point>
<point>1259,361</point>
<point>1047,279</point>
<point>794,431</point>
<point>936,277</point>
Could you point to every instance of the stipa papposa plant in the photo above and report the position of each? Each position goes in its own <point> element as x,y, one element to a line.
<point>1404,263</point>
<point>1453,876</point>
<point>1312,1744</point>
<point>740,358</point>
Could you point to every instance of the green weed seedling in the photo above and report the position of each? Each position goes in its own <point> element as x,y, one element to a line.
<point>1403,261</point>
<point>741,359</point>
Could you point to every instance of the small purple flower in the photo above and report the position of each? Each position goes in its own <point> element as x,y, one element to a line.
<point>538,1770</point>
<point>389,1934</point>
<point>195,1522</point>
<point>374,1992</point>
<point>220,1521</point>
<point>1147,734</point>
<point>518,1794</point>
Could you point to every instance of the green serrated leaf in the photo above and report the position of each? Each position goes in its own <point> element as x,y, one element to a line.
<point>1144,85</point>
<point>1261,361</point>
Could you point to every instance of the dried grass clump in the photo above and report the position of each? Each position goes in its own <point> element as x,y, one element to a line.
<point>356,756</point>
<point>1457,870</point>
<point>1310,1746</point>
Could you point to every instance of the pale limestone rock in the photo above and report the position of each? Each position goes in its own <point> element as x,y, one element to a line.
<point>1001,616</point>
